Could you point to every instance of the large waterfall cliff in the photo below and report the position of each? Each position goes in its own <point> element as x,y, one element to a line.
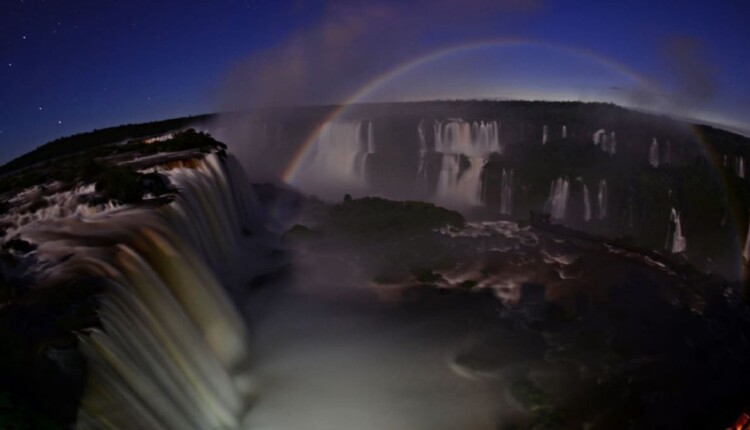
<point>170,350</point>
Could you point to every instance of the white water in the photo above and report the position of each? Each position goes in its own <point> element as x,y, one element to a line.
<point>557,203</point>
<point>598,136</point>
<point>457,186</point>
<point>653,154</point>
<point>564,132</point>
<point>607,142</point>
<point>475,141</point>
<point>339,155</point>
<point>545,134</point>
<point>740,166</point>
<point>421,183</point>
<point>586,204</point>
<point>611,147</point>
<point>601,200</point>
<point>746,250</point>
<point>470,139</point>
<point>676,242</point>
<point>506,192</point>
<point>172,349</point>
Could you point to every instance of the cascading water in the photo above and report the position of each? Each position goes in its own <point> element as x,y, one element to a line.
<point>653,154</point>
<point>586,204</point>
<point>506,192</point>
<point>676,242</point>
<point>557,203</point>
<point>171,352</point>
<point>740,166</point>
<point>470,139</point>
<point>457,185</point>
<point>598,136</point>
<point>339,154</point>
<point>459,140</point>
<point>612,144</point>
<point>601,199</point>
<point>607,142</point>
<point>564,132</point>
<point>746,249</point>
<point>545,135</point>
<point>422,162</point>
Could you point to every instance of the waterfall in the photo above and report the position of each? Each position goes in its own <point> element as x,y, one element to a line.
<point>506,192</point>
<point>339,154</point>
<point>457,140</point>
<point>557,202</point>
<point>607,142</point>
<point>612,147</point>
<point>564,132</point>
<point>746,250</point>
<point>460,186</point>
<point>545,134</point>
<point>422,162</point>
<point>653,154</point>
<point>676,242</point>
<point>598,136</point>
<point>740,166</point>
<point>602,199</point>
<point>470,139</point>
<point>171,351</point>
<point>586,204</point>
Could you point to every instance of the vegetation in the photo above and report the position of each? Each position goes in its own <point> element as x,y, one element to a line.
<point>95,139</point>
<point>529,395</point>
<point>468,284</point>
<point>15,415</point>
<point>376,218</point>
<point>120,184</point>
<point>426,276</point>
<point>299,231</point>
<point>19,245</point>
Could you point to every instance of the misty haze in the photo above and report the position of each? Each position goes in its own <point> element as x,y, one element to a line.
<point>375,215</point>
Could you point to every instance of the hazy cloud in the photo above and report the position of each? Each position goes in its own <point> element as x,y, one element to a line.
<point>694,80</point>
<point>355,41</point>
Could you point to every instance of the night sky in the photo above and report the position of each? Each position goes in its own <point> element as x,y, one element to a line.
<point>75,65</point>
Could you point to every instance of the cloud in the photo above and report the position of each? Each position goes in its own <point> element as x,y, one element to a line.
<point>355,41</point>
<point>694,78</point>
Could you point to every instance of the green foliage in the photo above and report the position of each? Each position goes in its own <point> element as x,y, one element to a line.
<point>376,218</point>
<point>120,184</point>
<point>94,139</point>
<point>468,284</point>
<point>20,245</point>
<point>299,231</point>
<point>529,395</point>
<point>14,415</point>
<point>181,141</point>
<point>426,276</point>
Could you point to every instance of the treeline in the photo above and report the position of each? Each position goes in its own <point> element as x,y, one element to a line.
<point>85,141</point>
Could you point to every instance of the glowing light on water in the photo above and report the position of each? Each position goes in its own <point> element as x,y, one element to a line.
<point>557,203</point>
<point>601,200</point>
<point>506,192</point>
<point>586,204</point>
<point>676,241</point>
<point>653,154</point>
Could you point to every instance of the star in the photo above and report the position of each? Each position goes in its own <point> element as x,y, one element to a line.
<point>59,122</point>
<point>40,108</point>
<point>10,64</point>
<point>23,37</point>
